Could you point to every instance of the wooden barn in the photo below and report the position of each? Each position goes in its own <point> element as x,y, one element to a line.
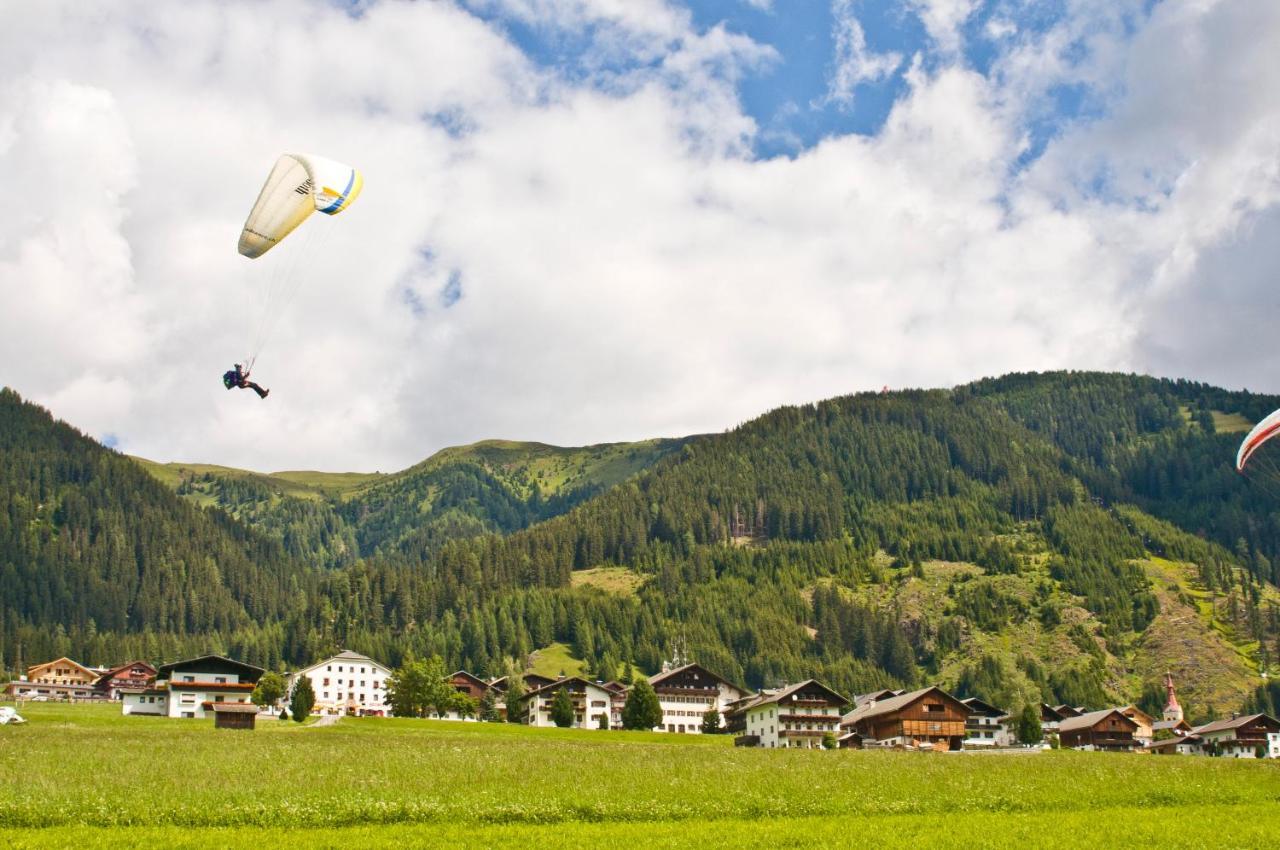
<point>928,718</point>
<point>1107,729</point>
<point>234,715</point>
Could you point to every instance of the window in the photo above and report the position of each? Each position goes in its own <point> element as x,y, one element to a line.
<point>934,708</point>
<point>326,682</point>
<point>188,678</point>
<point>221,680</point>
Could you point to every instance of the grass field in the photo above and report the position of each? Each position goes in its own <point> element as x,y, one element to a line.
<point>84,776</point>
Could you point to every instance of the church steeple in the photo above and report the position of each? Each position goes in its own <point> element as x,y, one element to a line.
<point>1172,711</point>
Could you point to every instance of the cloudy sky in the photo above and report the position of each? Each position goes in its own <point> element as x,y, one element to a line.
<point>596,220</point>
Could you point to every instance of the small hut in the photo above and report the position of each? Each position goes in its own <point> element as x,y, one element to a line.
<point>234,715</point>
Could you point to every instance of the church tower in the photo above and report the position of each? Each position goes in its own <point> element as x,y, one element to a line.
<point>1172,711</point>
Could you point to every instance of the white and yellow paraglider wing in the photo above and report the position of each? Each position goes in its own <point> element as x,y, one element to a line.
<point>298,185</point>
<point>336,185</point>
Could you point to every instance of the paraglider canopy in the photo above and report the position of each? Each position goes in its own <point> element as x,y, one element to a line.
<point>298,185</point>
<point>1255,439</point>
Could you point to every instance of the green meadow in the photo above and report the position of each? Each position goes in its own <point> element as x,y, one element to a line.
<point>85,776</point>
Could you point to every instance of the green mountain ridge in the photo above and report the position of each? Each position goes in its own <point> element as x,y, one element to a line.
<point>1066,536</point>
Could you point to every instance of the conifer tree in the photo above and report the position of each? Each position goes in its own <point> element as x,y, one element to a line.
<point>303,699</point>
<point>642,709</point>
<point>562,709</point>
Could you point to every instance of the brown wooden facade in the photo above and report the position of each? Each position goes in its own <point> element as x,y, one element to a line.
<point>930,718</point>
<point>1099,730</point>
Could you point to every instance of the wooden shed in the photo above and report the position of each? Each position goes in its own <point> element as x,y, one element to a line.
<point>234,715</point>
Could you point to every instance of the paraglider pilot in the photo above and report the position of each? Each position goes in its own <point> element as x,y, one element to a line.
<point>237,377</point>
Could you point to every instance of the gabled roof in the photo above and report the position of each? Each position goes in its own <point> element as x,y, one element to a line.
<point>893,704</point>
<point>876,696</point>
<point>470,677</point>
<point>668,674</point>
<point>1066,711</point>
<point>76,664</point>
<point>1169,743</point>
<point>784,693</point>
<point>1130,710</point>
<point>1171,725</point>
<point>560,683</point>
<point>977,706</point>
<point>229,664</point>
<point>1046,709</point>
<point>111,672</point>
<point>344,657</point>
<point>1093,718</point>
<point>1235,723</point>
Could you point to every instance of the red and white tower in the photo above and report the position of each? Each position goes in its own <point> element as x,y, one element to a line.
<point>1172,711</point>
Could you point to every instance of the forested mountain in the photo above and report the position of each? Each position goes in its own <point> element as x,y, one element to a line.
<point>331,519</point>
<point>1065,537</point>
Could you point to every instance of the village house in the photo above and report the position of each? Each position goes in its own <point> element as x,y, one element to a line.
<point>137,675</point>
<point>618,701</point>
<point>688,692</point>
<point>1050,719</point>
<point>59,679</point>
<point>1174,728</point>
<point>1107,729</point>
<point>1184,745</point>
<point>986,725</point>
<point>592,703</point>
<point>190,688</point>
<point>929,718</point>
<point>1145,733</point>
<point>532,681</point>
<point>347,684</point>
<point>1245,737</point>
<point>800,715</point>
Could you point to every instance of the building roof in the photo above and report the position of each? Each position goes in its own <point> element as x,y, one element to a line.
<point>1169,743</point>
<point>876,696</point>
<point>234,708</point>
<point>559,683</point>
<point>76,664</point>
<point>892,704</point>
<point>1234,723</point>
<point>977,706</point>
<point>1170,725</point>
<point>470,677</point>
<point>675,671</point>
<point>213,661</point>
<point>1131,710</point>
<point>1065,711</point>
<point>114,670</point>
<point>1093,718</point>
<point>346,656</point>
<point>781,694</point>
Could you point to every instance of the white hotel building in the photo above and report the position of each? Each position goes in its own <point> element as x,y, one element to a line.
<point>688,692</point>
<point>347,683</point>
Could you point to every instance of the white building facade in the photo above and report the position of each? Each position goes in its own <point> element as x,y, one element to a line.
<point>190,688</point>
<point>347,684</point>
<point>592,704</point>
<point>799,716</point>
<point>687,693</point>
